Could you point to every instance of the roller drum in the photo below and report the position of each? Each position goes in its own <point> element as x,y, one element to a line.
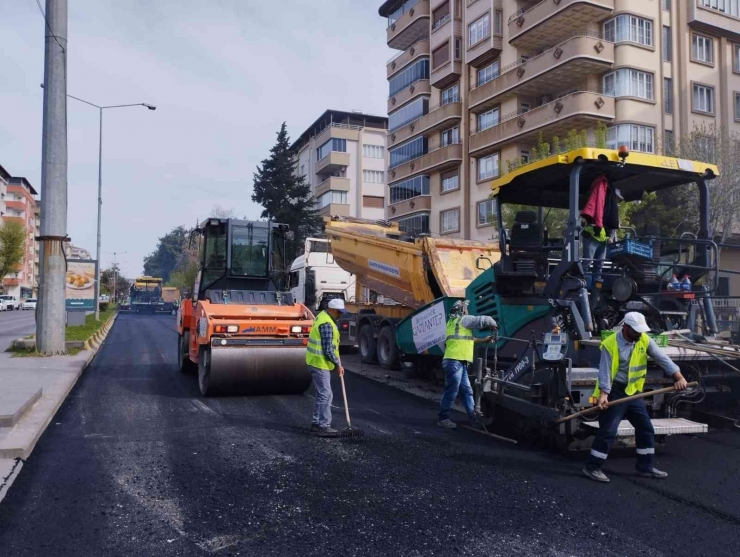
<point>254,370</point>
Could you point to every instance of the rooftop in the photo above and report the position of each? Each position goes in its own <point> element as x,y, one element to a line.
<point>329,117</point>
<point>21,181</point>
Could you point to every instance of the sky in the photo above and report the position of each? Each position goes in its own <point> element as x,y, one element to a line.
<point>224,75</point>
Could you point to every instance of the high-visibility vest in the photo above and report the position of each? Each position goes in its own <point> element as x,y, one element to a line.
<point>637,370</point>
<point>314,353</point>
<point>459,341</point>
<point>600,237</point>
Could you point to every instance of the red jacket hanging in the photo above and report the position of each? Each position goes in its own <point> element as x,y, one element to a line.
<point>594,208</point>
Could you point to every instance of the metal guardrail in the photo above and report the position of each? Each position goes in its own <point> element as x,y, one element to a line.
<point>522,11</point>
<point>440,22</point>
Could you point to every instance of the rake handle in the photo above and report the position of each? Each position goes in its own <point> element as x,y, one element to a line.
<point>621,401</point>
<point>346,407</point>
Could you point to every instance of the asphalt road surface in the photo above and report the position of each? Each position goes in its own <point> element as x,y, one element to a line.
<point>136,463</point>
<point>14,325</point>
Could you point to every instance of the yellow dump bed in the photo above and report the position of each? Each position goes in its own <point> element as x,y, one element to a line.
<point>411,272</point>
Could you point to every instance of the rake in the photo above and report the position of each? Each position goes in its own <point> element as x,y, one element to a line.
<point>348,431</point>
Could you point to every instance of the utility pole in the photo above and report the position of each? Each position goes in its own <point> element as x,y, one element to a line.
<point>50,316</point>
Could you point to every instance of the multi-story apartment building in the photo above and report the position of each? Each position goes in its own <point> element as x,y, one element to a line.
<point>4,179</point>
<point>343,156</point>
<point>21,206</point>
<point>475,81</point>
<point>75,252</point>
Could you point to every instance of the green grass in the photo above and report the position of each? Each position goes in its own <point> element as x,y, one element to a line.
<point>32,353</point>
<point>84,332</point>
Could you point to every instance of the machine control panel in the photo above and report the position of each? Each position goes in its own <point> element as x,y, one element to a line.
<point>554,346</point>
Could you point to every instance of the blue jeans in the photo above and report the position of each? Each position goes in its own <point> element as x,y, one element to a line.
<point>593,249</point>
<point>609,419</point>
<point>324,396</point>
<point>456,381</point>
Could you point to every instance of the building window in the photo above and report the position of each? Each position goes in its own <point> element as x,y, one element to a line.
<point>451,94</point>
<point>488,167</point>
<point>488,73</point>
<point>488,119</point>
<point>486,212</point>
<point>736,49</point>
<point>667,44</point>
<point>668,143</point>
<point>731,7</point>
<point>737,106</point>
<point>408,113</point>
<point>629,28</point>
<point>637,138</point>
<point>629,83</point>
<point>668,95</point>
<point>441,56</point>
<point>701,49</point>
<point>440,16</point>
<point>333,144</point>
<point>524,157</point>
<point>703,98</point>
<point>410,150</point>
<point>373,201</point>
<point>450,182</point>
<point>480,29</point>
<point>449,221</point>
<point>524,107</point>
<point>450,137</point>
<point>417,224</point>
<point>458,48</point>
<point>667,5</point>
<point>498,22</point>
<point>373,176</point>
<point>408,189</point>
<point>373,151</point>
<point>417,71</point>
<point>338,197</point>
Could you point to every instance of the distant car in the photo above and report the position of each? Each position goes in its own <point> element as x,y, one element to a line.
<point>29,303</point>
<point>9,302</point>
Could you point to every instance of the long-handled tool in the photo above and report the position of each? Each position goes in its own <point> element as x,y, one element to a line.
<point>621,401</point>
<point>348,431</point>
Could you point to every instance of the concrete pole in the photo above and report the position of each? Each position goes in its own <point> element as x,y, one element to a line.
<point>50,317</point>
<point>100,210</point>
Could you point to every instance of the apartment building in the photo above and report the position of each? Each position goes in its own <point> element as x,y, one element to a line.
<point>475,81</point>
<point>21,206</point>
<point>343,156</point>
<point>4,179</point>
<point>75,252</point>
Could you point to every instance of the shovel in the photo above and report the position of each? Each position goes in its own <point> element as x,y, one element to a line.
<point>348,431</point>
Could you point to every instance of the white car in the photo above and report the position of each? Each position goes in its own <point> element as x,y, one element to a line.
<point>8,302</point>
<point>29,303</point>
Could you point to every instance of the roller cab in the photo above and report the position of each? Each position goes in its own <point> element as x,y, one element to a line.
<point>242,333</point>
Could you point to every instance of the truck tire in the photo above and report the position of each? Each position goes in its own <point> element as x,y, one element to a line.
<point>184,363</point>
<point>387,349</point>
<point>204,370</point>
<point>368,345</point>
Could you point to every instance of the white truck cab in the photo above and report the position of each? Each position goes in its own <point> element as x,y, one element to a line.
<point>316,278</point>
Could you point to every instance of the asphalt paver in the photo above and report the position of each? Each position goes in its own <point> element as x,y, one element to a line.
<point>136,462</point>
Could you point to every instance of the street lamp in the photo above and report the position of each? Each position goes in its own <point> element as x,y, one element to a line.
<point>100,187</point>
<point>115,273</point>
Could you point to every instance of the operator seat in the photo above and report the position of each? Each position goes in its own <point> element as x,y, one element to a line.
<point>525,262</point>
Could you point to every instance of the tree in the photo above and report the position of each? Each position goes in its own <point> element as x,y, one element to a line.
<point>111,275</point>
<point>183,276</point>
<point>12,246</point>
<point>220,212</point>
<point>162,261</point>
<point>285,196</point>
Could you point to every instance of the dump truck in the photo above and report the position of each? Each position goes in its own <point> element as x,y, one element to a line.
<point>171,295</point>
<point>239,329</point>
<point>552,315</point>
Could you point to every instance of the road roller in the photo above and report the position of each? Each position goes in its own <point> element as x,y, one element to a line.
<point>239,329</point>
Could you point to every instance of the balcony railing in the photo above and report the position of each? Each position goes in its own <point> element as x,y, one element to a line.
<point>440,22</point>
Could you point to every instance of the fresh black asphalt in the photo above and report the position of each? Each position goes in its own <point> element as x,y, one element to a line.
<point>137,463</point>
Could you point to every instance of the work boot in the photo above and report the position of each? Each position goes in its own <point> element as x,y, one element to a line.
<point>595,475</point>
<point>653,473</point>
<point>327,431</point>
<point>315,428</point>
<point>447,424</point>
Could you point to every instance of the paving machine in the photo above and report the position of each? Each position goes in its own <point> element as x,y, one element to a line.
<point>145,296</point>
<point>242,333</point>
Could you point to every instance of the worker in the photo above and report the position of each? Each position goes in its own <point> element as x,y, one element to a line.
<point>601,222</point>
<point>459,348</point>
<point>322,357</point>
<point>622,373</point>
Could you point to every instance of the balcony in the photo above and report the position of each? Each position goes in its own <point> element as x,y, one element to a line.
<point>413,205</point>
<point>439,159</point>
<point>447,74</point>
<point>704,18</point>
<point>576,110</point>
<point>333,183</point>
<point>403,59</point>
<point>410,27</point>
<point>334,210</point>
<point>534,28</point>
<point>568,62</point>
<point>340,131</point>
<point>486,50</point>
<point>421,87</point>
<point>438,118</point>
<point>332,162</point>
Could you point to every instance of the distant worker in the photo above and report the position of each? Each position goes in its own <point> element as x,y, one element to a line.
<point>601,216</point>
<point>622,373</point>
<point>322,357</point>
<point>459,349</point>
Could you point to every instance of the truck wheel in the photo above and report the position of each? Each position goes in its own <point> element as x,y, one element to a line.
<point>368,345</point>
<point>387,349</point>
<point>184,363</point>
<point>204,370</point>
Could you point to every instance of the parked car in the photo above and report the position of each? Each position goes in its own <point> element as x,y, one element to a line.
<point>29,303</point>
<point>9,302</point>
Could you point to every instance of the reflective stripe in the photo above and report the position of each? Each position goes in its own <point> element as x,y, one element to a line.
<point>458,337</point>
<point>597,454</point>
<point>645,451</point>
<point>637,378</point>
<point>638,368</point>
<point>314,342</point>
<point>314,351</point>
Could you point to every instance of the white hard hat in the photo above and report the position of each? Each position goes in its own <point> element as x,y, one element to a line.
<point>637,322</point>
<point>336,303</point>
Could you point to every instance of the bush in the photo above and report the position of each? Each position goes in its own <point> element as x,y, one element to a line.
<point>104,306</point>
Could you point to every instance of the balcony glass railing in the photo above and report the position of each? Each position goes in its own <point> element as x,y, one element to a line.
<point>400,9</point>
<point>408,189</point>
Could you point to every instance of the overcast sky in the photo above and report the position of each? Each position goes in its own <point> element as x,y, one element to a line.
<point>224,75</point>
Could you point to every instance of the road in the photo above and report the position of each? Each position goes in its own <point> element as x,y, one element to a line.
<point>136,463</point>
<point>15,324</point>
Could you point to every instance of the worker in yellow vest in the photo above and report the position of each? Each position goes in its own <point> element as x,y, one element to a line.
<point>459,349</point>
<point>622,372</point>
<point>322,357</point>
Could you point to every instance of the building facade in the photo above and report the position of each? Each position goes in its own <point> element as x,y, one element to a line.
<point>474,83</point>
<point>75,252</point>
<point>21,206</point>
<point>343,156</point>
